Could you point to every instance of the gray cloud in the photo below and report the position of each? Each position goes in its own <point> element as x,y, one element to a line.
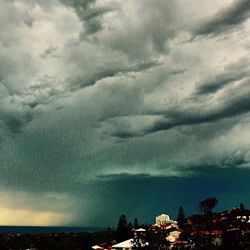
<point>13,116</point>
<point>122,176</point>
<point>229,18</point>
<point>66,105</point>
<point>90,15</point>
<point>16,123</point>
<point>233,72</point>
<point>112,72</point>
<point>92,20</point>
<point>78,4</point>
<point>231,105</point>
<point>50,51</point>
<point>230,108</point>
<point>144,30</point>
<point>27,19</point>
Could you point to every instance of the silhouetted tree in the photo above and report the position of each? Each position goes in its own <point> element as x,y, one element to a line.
<point>242,207</point>
<point>206,221</point>
<point>181,218</point>
<point>123,231</point>
<point>122,224</point>
<point>130,226</point>
<point>206,206</point>
<point>136,225</point>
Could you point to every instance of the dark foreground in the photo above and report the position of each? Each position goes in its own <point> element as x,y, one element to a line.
<point>85,241</point>
<point>52,241</point>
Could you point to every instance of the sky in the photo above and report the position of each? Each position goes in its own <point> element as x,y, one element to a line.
<point>111,107</point>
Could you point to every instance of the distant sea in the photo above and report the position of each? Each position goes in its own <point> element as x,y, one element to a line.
<point>35,230</point>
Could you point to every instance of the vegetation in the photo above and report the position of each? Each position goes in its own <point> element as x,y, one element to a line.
<point>181,218</point>
<point>206,206</point>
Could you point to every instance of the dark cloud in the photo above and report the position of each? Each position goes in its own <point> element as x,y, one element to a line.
<point>14,125</point>
<point>68,144</point>
<point>218,83</point>
<point>92,26</point>
<point>92,20</point>
<point>122,176</point>
<point>234,72</point>
<point>230,106</point>
<point>141,66</point>
<point>226,19</point>
<point>15,122</point>
<point>78,4</point>
<point>27,19</point>
<point>50,51</point>
<point>90,15</point>
<point>89,80</point>
<point>144,30</point>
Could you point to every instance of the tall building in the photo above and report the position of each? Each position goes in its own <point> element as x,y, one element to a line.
<point>162,219</point>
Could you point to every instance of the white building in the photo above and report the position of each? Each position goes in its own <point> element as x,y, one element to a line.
<point>128,244</point>
<point>162,219</point>
<point>125,245</point>
<point>165,221</point>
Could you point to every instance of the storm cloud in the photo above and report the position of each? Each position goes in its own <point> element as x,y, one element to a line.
<point>105,101</point>
<point>226,19</point>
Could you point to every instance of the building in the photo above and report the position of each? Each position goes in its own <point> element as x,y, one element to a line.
<point>164,220</point>
<point>125,245</point>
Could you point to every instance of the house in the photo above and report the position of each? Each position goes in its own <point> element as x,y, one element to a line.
<point>96,247</point>
<point>129,244</point>
<point>139,232</point>
<point>125,245</point>
<point>175,233</point>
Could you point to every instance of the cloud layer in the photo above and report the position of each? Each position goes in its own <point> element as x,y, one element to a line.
<point>98,97</point>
